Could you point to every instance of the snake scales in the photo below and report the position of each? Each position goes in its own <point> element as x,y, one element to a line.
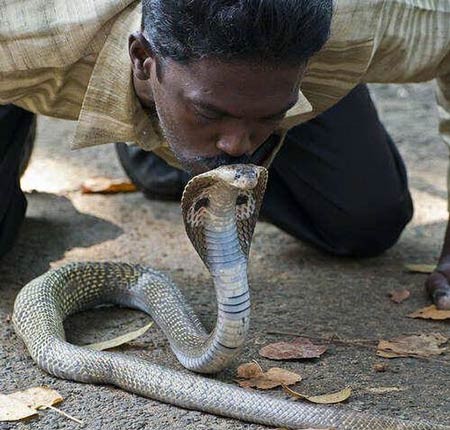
<point>220,209</point>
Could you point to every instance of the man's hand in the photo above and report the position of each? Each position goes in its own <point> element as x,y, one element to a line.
<point>438,287</point>
<point>438,283</point>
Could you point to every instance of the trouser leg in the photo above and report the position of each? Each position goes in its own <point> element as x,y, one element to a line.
<point>16,127</point>
<point>339,182</point>
<point>151,174</point>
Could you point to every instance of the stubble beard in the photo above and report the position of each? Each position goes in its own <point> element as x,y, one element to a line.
<point>196,164</point>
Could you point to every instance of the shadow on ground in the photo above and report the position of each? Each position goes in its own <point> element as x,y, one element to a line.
<point>52,227</point>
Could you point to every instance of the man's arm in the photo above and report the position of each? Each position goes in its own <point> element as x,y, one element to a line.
<point>438,283</point>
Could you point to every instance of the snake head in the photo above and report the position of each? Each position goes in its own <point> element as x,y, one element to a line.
<point>232,192</point>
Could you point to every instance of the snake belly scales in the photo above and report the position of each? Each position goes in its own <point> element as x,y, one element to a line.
<point>220,209</point>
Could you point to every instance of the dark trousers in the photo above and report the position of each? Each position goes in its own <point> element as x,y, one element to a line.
<point>339,182</point>
<point>16,124</point>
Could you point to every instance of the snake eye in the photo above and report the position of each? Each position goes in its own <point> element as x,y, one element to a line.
<point>201,203</point>
<point>241,200</point>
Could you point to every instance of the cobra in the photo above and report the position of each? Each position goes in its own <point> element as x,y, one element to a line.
<point>220,209</point>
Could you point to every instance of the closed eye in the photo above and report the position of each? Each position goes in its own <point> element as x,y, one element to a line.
<point>209,117</point>
<point>275,118</point>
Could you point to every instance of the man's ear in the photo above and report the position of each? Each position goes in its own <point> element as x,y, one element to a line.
<point>141,55</point>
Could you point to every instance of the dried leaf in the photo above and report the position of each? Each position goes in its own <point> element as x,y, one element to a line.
<point>249,370</point>
<point>420,268</point>
<point>259,382</point>
<point>324,399</point>
<point>380,367</point>
<point>424,345</point>
<point>383,390</point>
<point>23,404</point>
<point>14,410</point>
<point>120,340</point>
<point>283,376</point>
<point>298,349</point>
<point>38,397</point>
<point>107,186</point>
<point>431,313</point>
<point>274,377</point>
<point>399,296</point>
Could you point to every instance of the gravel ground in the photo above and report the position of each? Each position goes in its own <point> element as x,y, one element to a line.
<point>294,287</point>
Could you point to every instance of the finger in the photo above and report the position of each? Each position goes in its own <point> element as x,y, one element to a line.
<point>441,299</point>
<point>439,290</point>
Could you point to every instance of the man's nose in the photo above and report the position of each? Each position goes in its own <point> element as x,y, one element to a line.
<point>235,143</point>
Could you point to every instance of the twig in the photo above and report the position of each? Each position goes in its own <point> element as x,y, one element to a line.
<point>260,368</point>
<point>65,414</point>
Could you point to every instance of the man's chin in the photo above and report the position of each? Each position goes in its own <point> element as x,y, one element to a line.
<point>192,167</point>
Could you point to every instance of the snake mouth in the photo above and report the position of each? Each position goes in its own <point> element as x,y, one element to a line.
<point>240,176</point>
<point>234,176</point>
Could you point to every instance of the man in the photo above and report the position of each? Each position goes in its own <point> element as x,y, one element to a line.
<point>228,81</point>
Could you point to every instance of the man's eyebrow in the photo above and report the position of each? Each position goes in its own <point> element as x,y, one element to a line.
<point>216,110</point>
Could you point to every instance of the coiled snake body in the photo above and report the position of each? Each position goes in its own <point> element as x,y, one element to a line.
<point>220,209</point>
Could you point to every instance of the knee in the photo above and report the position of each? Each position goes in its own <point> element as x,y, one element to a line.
<point>370,231</point>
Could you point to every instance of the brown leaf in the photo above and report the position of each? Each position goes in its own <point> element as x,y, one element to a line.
<point>283,376</point>
<point>119,340</point>
<point>420,268</point>
<point>259,382</point>
<point>324,399</point>
<point>274,377</point>
<point>431,313</point>
<point>107,186</point>
<point>380,367</point>
<point>23,404</point>
<point>249,370</point>
<point>399,296</point>
<point>424,345</point>
<point>297,349</point>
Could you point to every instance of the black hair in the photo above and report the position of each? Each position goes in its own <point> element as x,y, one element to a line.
<point>259,31</point>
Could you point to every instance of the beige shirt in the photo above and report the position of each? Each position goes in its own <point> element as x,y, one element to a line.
<point>69,59</point>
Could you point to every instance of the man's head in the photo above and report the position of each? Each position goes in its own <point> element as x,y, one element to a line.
<point>223,73</point>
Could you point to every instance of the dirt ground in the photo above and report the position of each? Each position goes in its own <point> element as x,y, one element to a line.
<point>294,287</point>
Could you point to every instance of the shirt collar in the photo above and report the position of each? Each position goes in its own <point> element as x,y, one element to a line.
<point>302,107</point>
<point>111,111</point>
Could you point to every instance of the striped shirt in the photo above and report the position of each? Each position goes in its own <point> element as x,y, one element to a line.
<point>69,59</point>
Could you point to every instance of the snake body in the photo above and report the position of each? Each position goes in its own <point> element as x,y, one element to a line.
<point>220,209</point>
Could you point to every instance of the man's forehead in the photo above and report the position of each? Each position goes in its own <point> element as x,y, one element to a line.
<point>223,85</point>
